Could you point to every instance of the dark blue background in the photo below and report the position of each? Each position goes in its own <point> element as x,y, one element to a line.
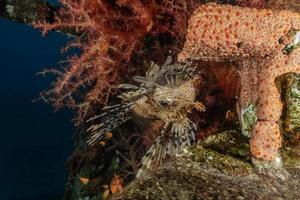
<point>35,141</point>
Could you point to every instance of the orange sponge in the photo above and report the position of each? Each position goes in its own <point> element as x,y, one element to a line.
<point>256,41</point>
<point>224,32</point>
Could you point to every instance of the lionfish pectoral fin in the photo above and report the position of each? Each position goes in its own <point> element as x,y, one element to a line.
<point>109,119</point>
<point>182,135</point>
<point>156,153</point>
<point>128,86</point>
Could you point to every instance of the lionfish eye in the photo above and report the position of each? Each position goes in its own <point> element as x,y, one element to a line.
<point>166,102</point>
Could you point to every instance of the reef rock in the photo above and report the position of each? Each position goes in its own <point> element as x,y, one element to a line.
<point>204,173</point>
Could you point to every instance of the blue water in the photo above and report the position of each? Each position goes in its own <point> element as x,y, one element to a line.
<point>35,141</point>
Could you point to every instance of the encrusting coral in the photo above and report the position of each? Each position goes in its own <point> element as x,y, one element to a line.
<point>262,43</point>
<point>293,5</point>
<point>220,32</point>
<point>291,96</point>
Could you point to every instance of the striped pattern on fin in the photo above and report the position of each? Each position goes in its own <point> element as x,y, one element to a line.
<point>110,118</point>
<point>134,92</point>
<point>134,95</point>
<point>171,73</point>
<point>158,148</point>
<point>182,135</point>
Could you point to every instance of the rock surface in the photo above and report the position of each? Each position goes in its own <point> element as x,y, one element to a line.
<point>204,173</point>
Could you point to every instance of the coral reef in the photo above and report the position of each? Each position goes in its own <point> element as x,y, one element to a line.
<point>289,87</point>
<point>293,5</point>
<point>251,3</point>
<point>166,93</point>
<point>27,11</point>
<point>109,32</point>
<point>220,32</point>
<point>118,38</point>
<point>259,42</point>
<point>207,173</point>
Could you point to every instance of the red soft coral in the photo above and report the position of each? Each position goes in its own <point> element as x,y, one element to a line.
<point>108,33</point>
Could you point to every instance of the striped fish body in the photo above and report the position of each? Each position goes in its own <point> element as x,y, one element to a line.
<point>167,103</point>
<point>166,93</point>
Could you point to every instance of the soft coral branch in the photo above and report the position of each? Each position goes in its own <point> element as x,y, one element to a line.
<point>109,31</point>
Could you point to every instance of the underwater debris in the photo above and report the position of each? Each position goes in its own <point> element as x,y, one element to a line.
<point>166,93</point>
<point>254,42</point>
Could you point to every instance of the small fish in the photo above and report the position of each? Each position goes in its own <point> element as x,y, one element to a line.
<point>84,181</point>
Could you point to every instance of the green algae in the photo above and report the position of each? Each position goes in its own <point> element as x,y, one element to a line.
<point>291,156</point>
<point>229,142</point>
<point>290,90</point>
<point>225,163</point>
<point>248,119</point>
<point>227,151</point>
<point>295,42</point>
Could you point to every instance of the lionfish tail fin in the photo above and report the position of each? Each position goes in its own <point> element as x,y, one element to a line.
<point>110,118</point>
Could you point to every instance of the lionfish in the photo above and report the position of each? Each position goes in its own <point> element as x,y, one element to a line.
<point>166,93</point>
